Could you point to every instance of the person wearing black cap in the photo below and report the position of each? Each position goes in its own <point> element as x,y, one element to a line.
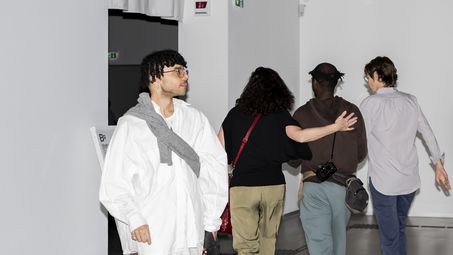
<point>323,212</point>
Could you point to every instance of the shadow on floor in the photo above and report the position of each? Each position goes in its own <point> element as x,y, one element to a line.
<point>425,236</point>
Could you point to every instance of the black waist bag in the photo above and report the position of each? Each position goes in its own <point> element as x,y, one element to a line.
<point>356,196</point>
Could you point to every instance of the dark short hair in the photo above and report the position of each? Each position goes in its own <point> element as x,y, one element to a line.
<point>152,66</point>
<point>327,75</point>
<point>385,70</point>
<point>265,93</point>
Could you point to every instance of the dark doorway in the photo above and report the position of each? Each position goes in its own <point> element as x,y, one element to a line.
<point>131,37</point>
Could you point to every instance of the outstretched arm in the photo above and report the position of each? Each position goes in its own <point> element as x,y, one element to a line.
<point>342,123</point>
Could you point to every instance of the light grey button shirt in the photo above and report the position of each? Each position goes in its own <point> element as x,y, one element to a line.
<point>392,120</point>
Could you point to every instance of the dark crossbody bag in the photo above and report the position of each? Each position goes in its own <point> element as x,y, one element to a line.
<point>356,199</point>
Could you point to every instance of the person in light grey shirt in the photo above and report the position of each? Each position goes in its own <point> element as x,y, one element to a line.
<point>392,120</point>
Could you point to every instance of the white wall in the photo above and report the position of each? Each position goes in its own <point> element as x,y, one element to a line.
<point>203,41</point>
<point>53,87</point>
<point>416,35</point>
<point>265,33</point>
<point>224,48</point>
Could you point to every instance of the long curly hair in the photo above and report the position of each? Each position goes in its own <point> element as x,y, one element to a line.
<point>152,66</point>
<point>265,93</point>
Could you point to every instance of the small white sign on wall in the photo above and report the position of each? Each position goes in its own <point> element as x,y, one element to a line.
<point>101,137</point>
<point>202,8</point>
<point>239,3</point>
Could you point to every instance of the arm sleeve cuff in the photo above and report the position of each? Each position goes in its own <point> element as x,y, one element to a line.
<point>435,159</point>
<point>136,220</point>
<point>213,225</point>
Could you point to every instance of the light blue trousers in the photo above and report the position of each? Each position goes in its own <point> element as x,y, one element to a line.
<point>324,218</point>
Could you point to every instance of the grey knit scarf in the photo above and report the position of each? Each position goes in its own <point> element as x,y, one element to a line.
<point>167,140</point>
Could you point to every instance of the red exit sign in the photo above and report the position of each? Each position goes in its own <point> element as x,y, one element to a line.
<point>202,8</point>
<point>201,4</point>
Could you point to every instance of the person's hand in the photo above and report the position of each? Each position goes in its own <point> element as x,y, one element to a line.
<point>214,235</point>
<point>141,234</point>
<point>345,123</point>
<point>442,177</point>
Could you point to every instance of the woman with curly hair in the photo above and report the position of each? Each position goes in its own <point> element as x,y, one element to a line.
<point>257,185</point>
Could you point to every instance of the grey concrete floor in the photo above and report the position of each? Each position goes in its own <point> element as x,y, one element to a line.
<point>425,236</point>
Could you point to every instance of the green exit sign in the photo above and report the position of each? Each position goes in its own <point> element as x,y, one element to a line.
<point>114,55</point>
<point>239,3</point>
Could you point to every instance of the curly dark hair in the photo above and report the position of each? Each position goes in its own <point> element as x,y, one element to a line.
<point>152,66</point>
<point>265,93</point>
<point>385,70</point>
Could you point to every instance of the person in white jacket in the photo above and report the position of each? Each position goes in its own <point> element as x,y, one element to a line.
<point>165,175</point>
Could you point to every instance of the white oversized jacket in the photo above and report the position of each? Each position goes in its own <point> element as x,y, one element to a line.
<point>137,189</point>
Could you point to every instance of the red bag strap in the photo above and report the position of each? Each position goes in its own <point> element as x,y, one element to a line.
<point>245,139</point>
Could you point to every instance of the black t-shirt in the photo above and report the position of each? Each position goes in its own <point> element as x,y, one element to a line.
<point>268,146</point>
